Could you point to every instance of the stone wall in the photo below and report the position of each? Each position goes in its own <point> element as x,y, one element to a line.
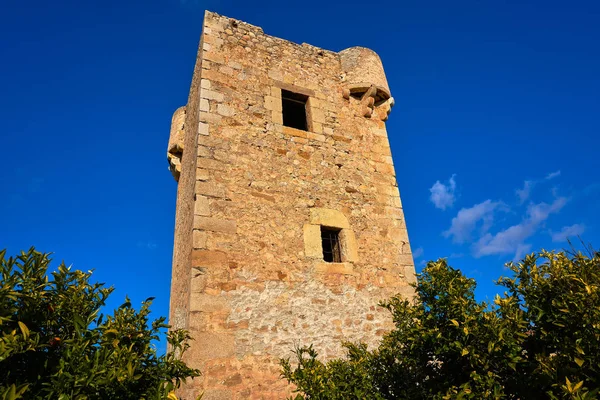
<point>256,280</point>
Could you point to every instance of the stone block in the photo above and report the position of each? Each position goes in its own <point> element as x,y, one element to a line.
<point>273,103</point>
<point>328,217</point>
<point>383,150</point>
<point>313,247</point>
<point>349,245</point>
<point>211,346</point>
<point>205,84</point>
<point>208,303</point>
<point>275,92</point>
<point>385,168</point>
<point>204,105</point>
<point>318,115</point>
<point>225,110</point>
<point>203,128</point>
<point>202,174</point>
<point>214,56</point>
<point>315,136</point>
<point>217,394</point>
<point>277,117</point>
<point>295,132</point>
<point>211,164</point>
<point>209,189</point>
<point>208,258</point>
<point>211,95</point>
<point>201,206</point>
<point>199,239</point>
<point>215,224</point>
<point>317,127</point>
<point>212,118</point>
<point>204,151</point>
<point>335,268</point>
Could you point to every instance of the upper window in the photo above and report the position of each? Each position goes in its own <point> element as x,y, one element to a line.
<point>294,110</point>
<point>331,244</point>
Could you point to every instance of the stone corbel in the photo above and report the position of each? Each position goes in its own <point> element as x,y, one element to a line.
<point>369,104</point>
<point>175,147</point>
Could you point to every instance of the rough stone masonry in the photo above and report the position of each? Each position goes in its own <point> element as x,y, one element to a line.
<point>289,226</point>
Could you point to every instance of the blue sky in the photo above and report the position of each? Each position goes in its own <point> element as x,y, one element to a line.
<point>495,132</point>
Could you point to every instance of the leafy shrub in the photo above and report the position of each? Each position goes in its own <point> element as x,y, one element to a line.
<point>540,339</point>
<point>55,344</point>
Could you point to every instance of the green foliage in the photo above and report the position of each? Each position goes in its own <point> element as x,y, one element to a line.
<point>541,339</point>
<point>54,343</point>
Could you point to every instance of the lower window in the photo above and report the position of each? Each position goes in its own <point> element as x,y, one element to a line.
<point>330,238</point>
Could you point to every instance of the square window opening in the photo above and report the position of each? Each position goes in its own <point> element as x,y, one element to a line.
<point>332,250</point>
<point>293,107</point>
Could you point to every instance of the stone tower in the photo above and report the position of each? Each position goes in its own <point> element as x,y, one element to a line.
<point>289,226</point>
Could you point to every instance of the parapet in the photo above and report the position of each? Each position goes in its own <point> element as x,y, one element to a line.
<point>175,147</point>
<point>363,68</point>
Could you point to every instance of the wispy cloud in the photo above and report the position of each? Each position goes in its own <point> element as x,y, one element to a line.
<point>523,194</point>
<point>417,253</point>
<point>567,232</point>
<point>468,219</point>
<point>552,175</point>
<point>528,185</point>
<point>443,195</point>
<point>512,239</point>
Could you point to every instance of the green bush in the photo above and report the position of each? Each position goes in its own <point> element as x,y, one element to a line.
<point>55,344</point>
<point>540,339</point>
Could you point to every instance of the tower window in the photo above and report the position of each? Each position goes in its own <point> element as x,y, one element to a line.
<point>294,109</point>
<point>331,244</point>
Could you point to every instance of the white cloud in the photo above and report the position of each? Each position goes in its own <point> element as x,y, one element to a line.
<point>538,213</point>
<point>512,239</point>
<point>443,195</point>
<point>553,175</point>
<point>417,253</point>
<point>567,232</point>
<point>524,193</point>
<point>467,220</point>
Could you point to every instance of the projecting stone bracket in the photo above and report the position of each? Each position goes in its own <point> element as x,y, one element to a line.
<point>175,147</point>
<point>372,100</point>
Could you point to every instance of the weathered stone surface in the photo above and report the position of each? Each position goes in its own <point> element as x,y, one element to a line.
<point>204,258</point>
<point>213,345</point>
<point>201,206</point>
<point>249,279</point>
<point>199,239</point>
<point>328,217</point>
<point>312,241</point>
<point>215,224</point>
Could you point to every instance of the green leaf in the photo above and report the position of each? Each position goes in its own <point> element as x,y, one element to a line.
<point>24,330</point>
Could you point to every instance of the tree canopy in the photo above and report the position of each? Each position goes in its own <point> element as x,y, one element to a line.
<point>55,343</point>
<point>540,339</point>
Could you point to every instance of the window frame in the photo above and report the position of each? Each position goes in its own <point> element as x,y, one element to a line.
<point>291,103</point>
<point>331,244</point>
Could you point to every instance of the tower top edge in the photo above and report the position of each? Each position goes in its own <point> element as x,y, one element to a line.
<point>211,15</point>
